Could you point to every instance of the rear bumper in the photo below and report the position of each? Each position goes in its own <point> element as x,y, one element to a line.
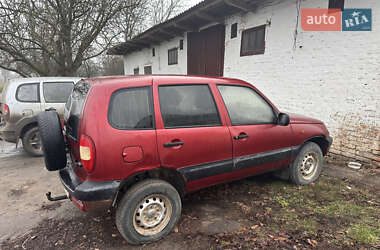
<point>88,190</point>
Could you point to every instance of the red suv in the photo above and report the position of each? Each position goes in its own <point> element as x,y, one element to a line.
<point>143,142</point>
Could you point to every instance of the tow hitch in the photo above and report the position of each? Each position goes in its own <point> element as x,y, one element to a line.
<point>58,198</point>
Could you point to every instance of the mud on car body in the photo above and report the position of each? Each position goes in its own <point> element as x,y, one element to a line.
<point>24,98</point>
<point>143,142</point>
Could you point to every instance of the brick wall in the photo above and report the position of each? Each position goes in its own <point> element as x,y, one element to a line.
<point>332,76</point>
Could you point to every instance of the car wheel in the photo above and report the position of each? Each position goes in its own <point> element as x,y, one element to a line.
<point>307,166</point>
<point>31,142</point>
<point>148,211</point>
<point>53,144</point>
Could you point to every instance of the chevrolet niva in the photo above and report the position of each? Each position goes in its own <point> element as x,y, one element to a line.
<point>143,142</point>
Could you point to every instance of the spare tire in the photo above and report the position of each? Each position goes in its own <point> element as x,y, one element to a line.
<point>53,143</point>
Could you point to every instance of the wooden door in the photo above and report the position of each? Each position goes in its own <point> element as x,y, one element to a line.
<point>205,52</point>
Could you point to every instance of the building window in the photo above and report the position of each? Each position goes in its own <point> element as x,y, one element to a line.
<point>253,41</point>
<point>173,56</point>
<point>181,44</point>
<point>136,71</point>
<point>153,52</point>
<point>336,4</point>
<point>148,70</point>
<point>234,30</point>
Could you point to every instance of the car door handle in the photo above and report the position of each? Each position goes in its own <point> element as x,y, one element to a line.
<point>241,136</point>
<point>173,144</point>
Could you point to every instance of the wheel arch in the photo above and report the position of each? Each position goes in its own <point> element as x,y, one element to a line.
<point>170,175</point>
<point>24,125</point>
<point>321,141</point>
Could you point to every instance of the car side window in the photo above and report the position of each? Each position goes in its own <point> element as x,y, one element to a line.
<point>131,108</point>
<point>28,92</point>
<point>245,106</point>
<point>57,92</point>
<point>188,106</point>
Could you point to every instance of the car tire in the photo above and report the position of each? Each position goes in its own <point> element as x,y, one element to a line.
<point>307,166</point>
<point>31,142</point>
<point>53,144</point>
<point>148,211</point>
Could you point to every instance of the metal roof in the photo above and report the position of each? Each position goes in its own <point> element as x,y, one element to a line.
<point>202,14</point>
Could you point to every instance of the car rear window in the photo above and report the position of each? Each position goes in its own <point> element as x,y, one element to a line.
<point>57,92</point>
<point>74,107</point>
<point>28,92</point>
<point>131,108</point>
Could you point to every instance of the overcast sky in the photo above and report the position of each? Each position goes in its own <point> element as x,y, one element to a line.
<point>191,3</point>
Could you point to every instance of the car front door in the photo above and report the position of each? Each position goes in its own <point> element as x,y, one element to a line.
<point>259,143</point>
<point>191,136</point>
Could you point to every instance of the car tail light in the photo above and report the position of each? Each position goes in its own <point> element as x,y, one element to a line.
<point>87,153</point>
<point>6,112</point>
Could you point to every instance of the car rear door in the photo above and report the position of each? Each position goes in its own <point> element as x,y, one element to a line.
<point>259,143</point>
<point>55,95</point>
<point>28,101</point>
<point>191,136</point>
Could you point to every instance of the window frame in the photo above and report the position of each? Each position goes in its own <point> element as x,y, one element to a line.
<point>234,30</point>
<point>170,50</point>
<point>43,90</point>
<point>38,92</point>
<point>145,69</point>
<point>151,107</point>
<point>332,7</point>
<point>252,52</point>
<point>275,113</point>
<point>194,126</point>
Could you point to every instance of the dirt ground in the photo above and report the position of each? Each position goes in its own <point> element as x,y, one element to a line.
<point>341,210</point>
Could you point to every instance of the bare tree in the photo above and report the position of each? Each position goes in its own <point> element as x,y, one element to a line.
<point>55,37</point>
<point>162,10</point>
<point>113,65</point>
<point>148,13</point>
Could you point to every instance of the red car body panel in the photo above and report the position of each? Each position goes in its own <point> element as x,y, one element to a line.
<point>123,153</point>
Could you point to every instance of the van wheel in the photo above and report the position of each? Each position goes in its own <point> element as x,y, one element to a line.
<point>148,211</point>
<point>53,143</point>
<point>31,142</point>
<point>307,166</point>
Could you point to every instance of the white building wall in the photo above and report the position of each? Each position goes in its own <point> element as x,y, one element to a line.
<point>159,62</point>
<point>333,76</point>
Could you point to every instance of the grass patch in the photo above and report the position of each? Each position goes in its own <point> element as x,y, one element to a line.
<point>309,225</point>
<point>282,201</point>
<point>365,233</point>
<point>343,208</point>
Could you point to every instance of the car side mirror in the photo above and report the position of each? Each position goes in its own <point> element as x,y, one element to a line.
<point>283,119</point>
